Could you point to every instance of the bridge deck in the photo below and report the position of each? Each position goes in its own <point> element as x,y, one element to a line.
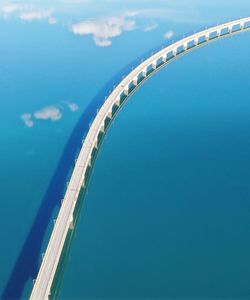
<point>42,286</point>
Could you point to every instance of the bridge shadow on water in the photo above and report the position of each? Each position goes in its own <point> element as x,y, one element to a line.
<point>28,261</point>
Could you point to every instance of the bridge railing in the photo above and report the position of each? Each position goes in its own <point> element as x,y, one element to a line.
<point>127,86</point>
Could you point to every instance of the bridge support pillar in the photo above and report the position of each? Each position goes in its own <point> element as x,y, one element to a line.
<point>135,81</point>
<point>102,129</point>
<point>109,114</point>
<point>96,144</point>
<point>83,182</point>
<point>71,224</point>
<point>144,72</point>
<point>89,162</point>
<point>125,91</point>
<point>154,65</point>
<point>118,102</point>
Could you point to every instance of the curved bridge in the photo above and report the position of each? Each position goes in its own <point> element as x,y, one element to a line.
<point>64,222</point>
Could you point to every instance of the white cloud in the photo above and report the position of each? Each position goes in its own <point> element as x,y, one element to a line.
<point>103,30</point>
<point>10,8</point>
<point>27,119</point>
<point>51,113</point>
<point>36,15</point>
<point>73,107</point>
<point>102,42</point>
<point>168,34</point>
<point>28,12</point>
<point>150,27</point>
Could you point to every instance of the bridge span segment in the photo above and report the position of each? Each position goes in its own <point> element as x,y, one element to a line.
<point>64,221</point>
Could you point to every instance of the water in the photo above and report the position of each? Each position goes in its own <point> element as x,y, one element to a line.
<point>167,210</point>
<point>50,69</point>
<point>43,66</point>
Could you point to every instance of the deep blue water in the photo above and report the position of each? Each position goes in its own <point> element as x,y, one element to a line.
<point>43,65</point>
<point>57,77</point>
<point>167,214</point>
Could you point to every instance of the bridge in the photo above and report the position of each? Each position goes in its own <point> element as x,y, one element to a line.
<point>64,222</point>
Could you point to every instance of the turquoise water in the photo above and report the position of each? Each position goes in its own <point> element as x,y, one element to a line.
<point>167,214</point>
<point>51,68</point>
<point>122,248</point>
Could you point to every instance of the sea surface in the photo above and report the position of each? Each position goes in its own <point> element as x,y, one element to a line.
<point>167,213</point>
<point>167,209</point>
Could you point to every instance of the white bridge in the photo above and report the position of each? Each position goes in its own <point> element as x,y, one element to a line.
<point>64,222</point>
